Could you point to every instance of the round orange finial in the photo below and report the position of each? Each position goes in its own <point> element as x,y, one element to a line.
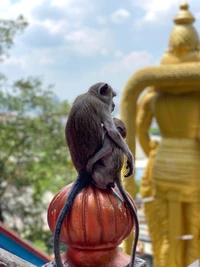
<point>96,225</point>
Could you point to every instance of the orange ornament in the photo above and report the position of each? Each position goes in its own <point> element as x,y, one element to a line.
<point>97,224</point>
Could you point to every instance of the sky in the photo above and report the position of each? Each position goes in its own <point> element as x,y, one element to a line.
<point>76,43</point>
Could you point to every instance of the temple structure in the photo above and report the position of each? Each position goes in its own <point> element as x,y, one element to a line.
<point>172,175</point>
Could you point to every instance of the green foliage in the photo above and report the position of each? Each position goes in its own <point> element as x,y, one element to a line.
<point>43,239</point>
<point>34,158</point>
<point>8,30</point>
<point>155,131</point>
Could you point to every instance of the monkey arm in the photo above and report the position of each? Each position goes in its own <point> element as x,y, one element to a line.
<point>144,119</point>
<point>117,138</point>
<point>103,152</point>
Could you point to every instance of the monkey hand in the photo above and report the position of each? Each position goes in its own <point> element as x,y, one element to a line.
<point>129,166</point>
<point>89,166</point>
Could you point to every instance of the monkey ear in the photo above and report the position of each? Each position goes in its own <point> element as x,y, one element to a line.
<point>103,89</point>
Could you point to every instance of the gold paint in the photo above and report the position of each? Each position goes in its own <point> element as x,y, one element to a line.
<point>172,174</point>
<point>184,40</point>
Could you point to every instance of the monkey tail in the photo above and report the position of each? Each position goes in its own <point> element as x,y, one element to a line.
<point>134,213</point>
<point>82,181</point>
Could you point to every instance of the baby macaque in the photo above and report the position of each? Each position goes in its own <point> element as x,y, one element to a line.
<point>106,166</point>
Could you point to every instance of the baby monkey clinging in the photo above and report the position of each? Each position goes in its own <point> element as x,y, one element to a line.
<point>106,166</point>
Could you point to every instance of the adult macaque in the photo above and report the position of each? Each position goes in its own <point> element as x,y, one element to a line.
<point>84,133</point>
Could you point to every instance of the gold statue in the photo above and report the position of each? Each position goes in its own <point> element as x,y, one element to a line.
<point>172,175</point>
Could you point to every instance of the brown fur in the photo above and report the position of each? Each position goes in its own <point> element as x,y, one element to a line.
<point>84,129</point>
<point>84,133</point>
<point>106,165</point>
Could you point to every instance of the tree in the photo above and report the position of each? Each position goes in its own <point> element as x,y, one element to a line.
<point>8,30</point>
<point>34,159</point>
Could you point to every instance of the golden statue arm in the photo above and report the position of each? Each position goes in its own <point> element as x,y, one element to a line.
<point>174,79</point>
<point>144,120</point>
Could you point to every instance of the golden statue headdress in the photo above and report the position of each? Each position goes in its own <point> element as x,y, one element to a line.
<point>184,43</point>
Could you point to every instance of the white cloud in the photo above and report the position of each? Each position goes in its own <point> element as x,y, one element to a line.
<point>118,54</point>
<point>87,41</point>
<point>156,5</point>
<point>60,3</point>
<point>59,27</point>
<point>46,60</point>
<point>197,15</point>
<point>77,9</point>
<point>33,11</point>
<point>101,20</point>
<point>120,16</point>
<point>15,61</point>
<point>129,63</point>
<point>4,4</point>
<point>27,61</point>
<point>59,18</point>
<point>21,7</point>
<point>156,9</point>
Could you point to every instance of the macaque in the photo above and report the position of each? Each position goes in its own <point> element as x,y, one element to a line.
<point>106,166</point>
<point>84,134</point>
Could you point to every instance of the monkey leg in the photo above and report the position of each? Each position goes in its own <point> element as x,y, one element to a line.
<point>102,153</point>
<point>102,177</point>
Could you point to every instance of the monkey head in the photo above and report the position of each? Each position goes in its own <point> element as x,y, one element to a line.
<point>105,93</point>
<point>120,127</point>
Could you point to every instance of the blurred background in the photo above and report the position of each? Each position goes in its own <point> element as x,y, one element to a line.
<point>50,52</point>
